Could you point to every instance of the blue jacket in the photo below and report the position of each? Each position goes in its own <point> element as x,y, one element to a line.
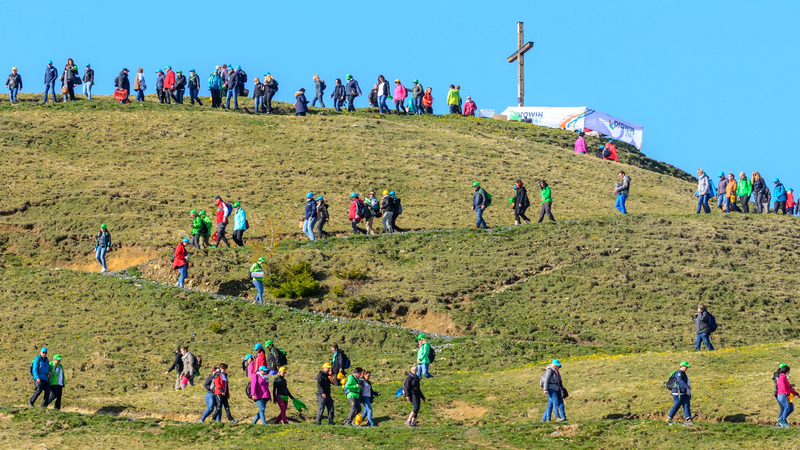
<point>40,368</point>
<point>233,81</point>
<point>479,198</point>
<point>779,192</point>
<point>682,386</point>
<point>240,220</point>
<point>352,85</point>
<point>215,81</point>
<point>311,209</point>
<point>50,75</point>
<point>301,104</point>
<point>160,81</point>
<point>338,91</point>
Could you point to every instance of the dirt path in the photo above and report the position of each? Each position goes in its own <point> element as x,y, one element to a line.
<point>117,259</point>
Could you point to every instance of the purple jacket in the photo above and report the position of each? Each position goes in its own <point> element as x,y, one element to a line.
<point>580,145</point>
<point>259,387</point>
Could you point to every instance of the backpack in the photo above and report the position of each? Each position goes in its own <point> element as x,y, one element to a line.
<point>203,227</point>
<point>198,362</point>
<point>116,82</point>
<point>606,153</point>
<point>360,208</point>
<point>712,322</point>
<point>242,76</point>
<point>322,85</point>
<point>228,209</point>
<point>671,382</point>
<point>346,360</point>
<point>247,391</point>
<point>488,197</point>
<point>399,206</point>
<point>432,354</point>
<point>543,378</point>
<point>282,361</point>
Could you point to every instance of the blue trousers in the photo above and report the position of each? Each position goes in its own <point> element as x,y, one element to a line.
<point>308,227</point>
<point>262,405</point>
<point>702,202</point>
<point>256,104</point>
<point>50,87</point>
<point>382,104</point>
<point>318,97</point>
<point>479,222</point>
<point>184,271</point>
<point>211,403</point>
<point>87,90</point>
<point>232,93</point>
<point>260,288</point>
<point>678,401</point>
<point>13,94</point>
<point>786,407</point>
<point>139,95</point>
<point>554,402</point>
<point>418,105</point>
<point>620,205</point>
<point>422,370</point>
<point>703,337</point>
<point>367,415</point>
<point>179,95</point>
<point>193,96</point>
<point>100,256</point>
<point>337,103</point>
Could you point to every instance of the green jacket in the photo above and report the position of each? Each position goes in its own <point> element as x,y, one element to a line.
<point>58,372</point>
<point>453,97</point>
<point>353,387</point>
<point>745,187</point>
<point>209,224</point>
<point>197,224</point>
<point>256,267</point>
<point>423,354</point>
<point>546,195</point>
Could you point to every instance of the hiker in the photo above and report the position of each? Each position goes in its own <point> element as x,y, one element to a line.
<point>743,190</point>
<point>387,210</point>
<point>50,77</point>
<point>601,150</point>
<point>211,398</point>
<point>223,393</point>
<point>102,245</point>
<point>372,97</point>
<point>460,100</point>
<point>241,75</point>
<point>383,94</point>
<point>621,190</point>
<point>681,393</point>
<point>413,394</point>
<point>160,86</point>
<point>258,95</point>
<point>470,107</point>
<point>324,394</point>
<point>427,101</point>
<point>611,150</point>
<point>319,91</point>
<point>310,216</point>
<point>169,85</point>
<point>580,144</point>
<point>215,85</point>
<point>353,390</point>
<point>423,356</point>
<point>273,357</point>
<point>479,202</point>
<point>703,327</point>
<point>704,191</point>
<point>357,211</point>
<point>417,93</point>
<point>790,201</point>
<point>189,362</point>
<point>281,395</point>
<point>40,371</point>
<point>400,93</point>
<point>259,392</point>
<point>339,363</point>
<point>270,89</point>
<point>521,203</point>
<point>194,87</point>
<point>139,85</point>
<point>367,397</point>
<point>722,189</point>
<point>233,87</point>
<point>14,85</point>
<point>783,393</point>
<point>223,211</point>
<point>177,364</point>
<point>257,275</point>
<point>180,261</point>
<point>353,91</point>
<point>373,208</point>
<point>322,216</point>
<point>547,202</point>
<point>780,197</point>
<point>553,387</point>
<point>209,225</point>
<point>125,85</point>
<point>197,228</point>
<point>88,82</point>
<point>56,382</point>
<point>239,224</point>
<point>454,100</point>
<point>68,80</point>
<point>300,102</point>
<point>180,87</point>
<point>730,195</point>
<point>760,192</point>
<point>261,357</point>
<point>397,210</point>
<point>338,95</point>
<point>248,365</point>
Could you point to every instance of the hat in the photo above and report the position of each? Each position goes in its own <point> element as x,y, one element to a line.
<point>58,357</point>
<point>261,259</point>
<point>266,74</point>
<point>13,68</point>
<point>385,192</point>
<point>326,366</point>
<point>169,67</point>
<point>556,363</point>
<point>159,71</point>
<point>602,146</point>
<point>391,193</point>
<point>229,65</point>
<point>49,62</point>
<point>186,240</point>
<point>610,141</point>
<point>248,356</point>
<point>309,195</point>
<point>319,198</point>
<point>282,369</point>
<point>397,80</point>
<point>258,346</point>
<point>44,349</point>
<point>302,90</point>
<point>349,76</point>
<point>87,64</point>
<point>581,134</point>
<point>202,213</point>
<point>193,211</point>
<point>216,197</point>
<point>191,70</point>
<point>102,225</point>
<point>236,205</point>
<point>268,343</point>
<point>180,71</point>
<point>685,364</point>
<point>790,189</point>
<point>238,67</point>
<point>124,69</point>
<point>781,365</point>
<point>416,80</point>
<point>775,180</point>
<point>421,336</point>
<point>264,368</point>
<point>475,184</point>
<point>353,195</point>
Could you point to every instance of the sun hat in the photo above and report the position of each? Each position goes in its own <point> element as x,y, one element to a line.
<point>556,363</point>
<point>264,368</point>
<point>421,336</point>
<point>58,357</point>
<point>475,184</point>
<point>258,346</point>
<point>685,364</point>
<point>353,195</point>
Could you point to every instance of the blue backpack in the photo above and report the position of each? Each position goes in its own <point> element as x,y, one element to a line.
<point>712,322</point>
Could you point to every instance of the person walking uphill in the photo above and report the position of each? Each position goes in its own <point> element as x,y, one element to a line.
<point>368,395</point>
<point>338,95</point>
<point>180,87</point>
<point>681,393</point>
<point>784,391</point>
<point>722,189</point>
<point>704,191</point>
<point>324,394</point>
<point>14,85</point>
<point>319,91</point>
<point>198,228</point>
<point>547,201</point>
<point>621,190</point>
<point>580,144</point>
<point>353,390</point>
<point>790,203</point>
<point>743,190</point>
<point>322,216</point>
<point>160,77</point>
<point>102,246</point>
<point>521,204</point>
<point>339,364</point>
<point>310,217</point>
<point>177,364</point>
<point>413,395</point>
<point>480,200</point>
<point>387,209</point>
<point>223,211</point>
<point>373,210</point>
<point>211,398</point>
<point>353,91</point>
<point>780,197</point>
<point>40,371</point>
<point>56,382</point>
<point>300,102</point>
<point>189,365</point>
<point>257,275</point>
<point>552,386</point>
<point>223,393</point>
<point>259,392</point>
<point>612,151</point>
<point>357,213</point>
<point>50,77</point>
<point>423,356</point>
<point>239,224</point>
<point>180,261</point>
<point>760,192</point>
<point>281,395</point>
<point>704,325</point>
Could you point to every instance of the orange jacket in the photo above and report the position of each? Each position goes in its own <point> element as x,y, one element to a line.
<point>730,190</point>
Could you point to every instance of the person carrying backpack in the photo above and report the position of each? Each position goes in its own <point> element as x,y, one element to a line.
<point>621,190</point>
<point>324,393</point>
<point>259,392</point>
<point>681,393</point>
<point>197,228</point>
<point>552,386</point>
<point>413,395</point>
<point>102,246</point>
<point>704,191</point>
<point>397,208</point>
<point>248,365</point>
<point>211,398</point>
<point>209,226</point>
<point>257,275</point>
<point>223,393</point>
<point>322,216</point>
<point>320,87</point>
<point>40,371</point>
<point>261,357</point>
<point>353,390</point>
<point>357,212</point>
<point>339,364</point>
<point>611,149</point>
<point>387,209</point>
<point>223,211</point>
<point>479,204</point>
<point>423,356</point>
<point>239,224</point>
<point>189,363</point>
<point>281,395</point>
<point>270,87</point>
<point>704,325</point>
<point>784,394</point>
<point>521,204</point>
<point>274,358</point>
<point>373,208</point>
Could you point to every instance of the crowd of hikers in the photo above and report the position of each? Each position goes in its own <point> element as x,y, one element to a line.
<point>731,192</point>
<point>230,83</point>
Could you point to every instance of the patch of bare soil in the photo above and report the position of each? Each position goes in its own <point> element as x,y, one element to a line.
<point>464,411</point>
<point>435,322</point>
<point>117,259</point>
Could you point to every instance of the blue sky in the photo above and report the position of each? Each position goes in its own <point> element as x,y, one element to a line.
<point>708,80</point>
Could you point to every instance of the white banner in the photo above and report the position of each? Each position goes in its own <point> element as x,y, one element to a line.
<point>486,113</point>
<point>615,128</point>
<point>552,117</point>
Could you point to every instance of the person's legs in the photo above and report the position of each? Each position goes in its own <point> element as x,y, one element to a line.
<point>720,200</point>
<point>196,241</point>
<point>320,232</point>
<point>184,271</point>
<point>705,204</point>
<point>237,237</point>
<point>321,403</point>
<point>355,408</point>
<point>757,200</point>
<point>387,222</point>
<point>620,205</point>
<point>178,384</point>
<point>697,341</point>
<point>282,404</point>
<point>418,105</point>
<point>369,225</point>
<point>210,404</point>
<point>382,104</point>
<point>706,340</point>
<point>221,234</point>
<point>397,105</point>
<point>365,402</point>
<point>552,403</point>
<point>259,290</point>
<point>227,409</point>
<point>422,370</point>
<point>686,400</point>
<point>101,257</point>
<point>206,244</point>
<point>71,91</point>
<point>262,405</point>
<point>350,100</point>
<point>55,394</point>
<point>269,96</point>
<point>548,210</point>
<point>480,223</point>
<point>699,203</point>
<point>560,409</point>
<point>676,403</point>
<point>745,204</point>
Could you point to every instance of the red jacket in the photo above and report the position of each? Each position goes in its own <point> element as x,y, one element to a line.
<point>469,108</point>
<point>180,256</point>
<point>222,209</point>
<point>789,199</point>
<point>613,149</point>
<point>221,385</point>
<point>354,208</point>
<point>169,81</point>
<point>261,360</point>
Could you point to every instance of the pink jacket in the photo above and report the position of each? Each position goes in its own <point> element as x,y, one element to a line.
<point>259,387</point>
<point>784,388</point>
<point>469,108</point>
<point>400,92</point>
<point>580,146</point>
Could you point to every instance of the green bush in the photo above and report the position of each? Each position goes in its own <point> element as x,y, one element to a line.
<point>291,281</point>
<point>352,273</point>
<point>337,290</point>
<point>216,328</point>
<point>355,305</point>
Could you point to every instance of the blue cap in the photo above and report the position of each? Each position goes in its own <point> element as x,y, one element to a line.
<point>248,356</point>
<point>263,368</point>
<point>610,140</point>
<point>169,67</point>
<point>230,65</point>
<point>49,62</point>
<point>353,195</point>
<point>158,71</point>
<point>310,195</point>
<point>556,363</point>
<point>790,189</point>
<point>775,180</point>
<point>266,74</point>
<point>391,193</point>
<point>319,198</point>
<point>88,65</point>
<point>186,240</point>
<point>238,67</point>
<point>602,146</point>
<point>721,174</point>
<point>258,346</point>
<point>44,349</point>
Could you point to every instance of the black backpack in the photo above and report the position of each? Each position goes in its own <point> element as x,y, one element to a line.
<point>247,391</point>
<point>116,82</point>
<point>671,383</point>
<point>203,228</point>
<point>360,208</point>
<point>198,362</point>
<point>606,153</point>
<point>242,76</point>
<point>282,361</point>
<point>322,85</point>
<point>712,322</point>
<point>432,354</point>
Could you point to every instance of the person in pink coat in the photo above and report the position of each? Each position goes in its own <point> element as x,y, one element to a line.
<point>470,107</point>
<point>783,391</point>
<point>259,391</point>
<point>400,93</point>
<point>580,144</point>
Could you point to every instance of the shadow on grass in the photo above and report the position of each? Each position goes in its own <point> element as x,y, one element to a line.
<point>737,418</point>
<point>113,410</point>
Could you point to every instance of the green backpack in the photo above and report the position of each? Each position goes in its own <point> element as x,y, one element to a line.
<point>488,197</point>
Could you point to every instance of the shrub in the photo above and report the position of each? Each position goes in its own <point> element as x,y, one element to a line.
<point>352,273</point>
<point>291,281</point>
<point>337,290</point>
<point>216,328</point>
<point>355,305</point>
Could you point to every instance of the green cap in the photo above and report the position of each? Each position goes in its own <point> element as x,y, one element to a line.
<point>202,213</point>
<point>475,184</point>
<point>58,357</point>
<point>194,211</point>
<point>236,205</point>
<point>349,76</point>
<point>421,336</point>
<point>102,225</point>
<point>268,343</point>
<point>261,259</point>
<point>781,365</point>
<point>685,364</point>
<point>416,80</point>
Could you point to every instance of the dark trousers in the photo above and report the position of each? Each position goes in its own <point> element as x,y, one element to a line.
<point>193,96</point>
<point>758,199</point>
<point>745,203</point>
<point>780,206</point>
<point>355,408</point>
<point>55,395</point>
<point>320,224</point>
<point>71,91</point>
<point>520,214</point>
<point>237,237</point>
<point>216,99</point>
<point>42,387</point>
<point>168,95</point>
<point>546,210</point>
<point>324,403</point>
<point>337,103</point>
<point>196,241</point>
<point>267,103</point>
<point>398,107</point>
<point>179,95</point>
<point>350,106</point>
<point>394,225</point>
<point>454,109</point>
<point>356,228</point>
<point>160,93</point>
<point>221,234</point>
<point>222,402</point>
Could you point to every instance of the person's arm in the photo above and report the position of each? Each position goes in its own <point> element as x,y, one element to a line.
<point>681,381</point>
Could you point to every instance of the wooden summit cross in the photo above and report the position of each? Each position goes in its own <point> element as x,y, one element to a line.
<point>519,57</point>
